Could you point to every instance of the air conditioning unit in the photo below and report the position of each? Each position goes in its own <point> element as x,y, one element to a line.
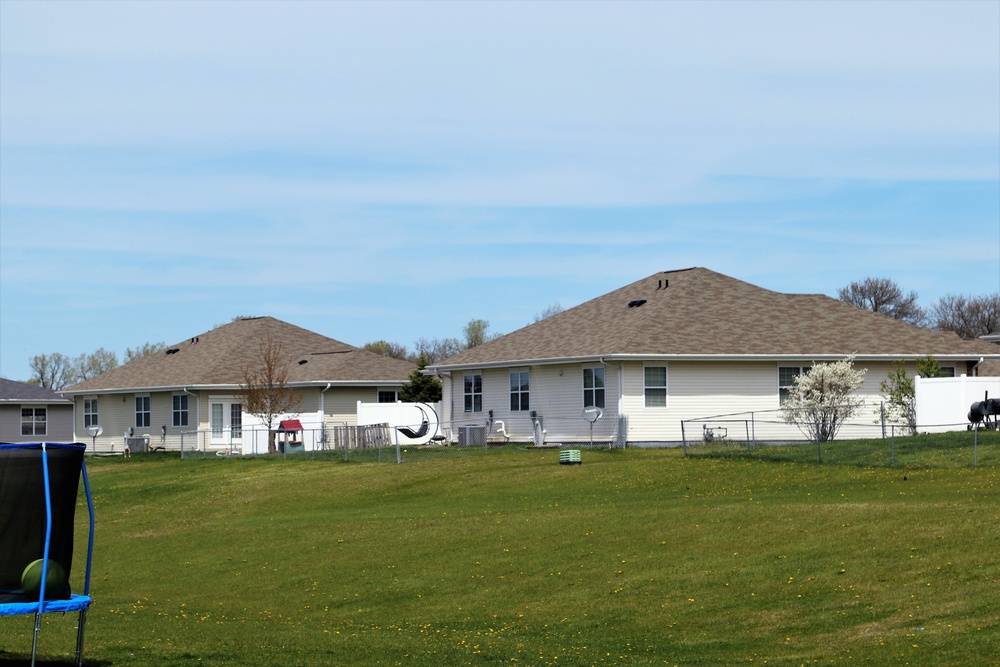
<point>469,436</point>
<point>138,444</point>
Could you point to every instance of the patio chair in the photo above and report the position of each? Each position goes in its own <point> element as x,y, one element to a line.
<point>39,483</point>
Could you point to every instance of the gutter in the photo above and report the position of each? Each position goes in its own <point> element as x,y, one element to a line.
<point>552,361</point>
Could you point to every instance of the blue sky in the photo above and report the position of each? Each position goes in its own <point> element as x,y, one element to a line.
<point>392,170</point>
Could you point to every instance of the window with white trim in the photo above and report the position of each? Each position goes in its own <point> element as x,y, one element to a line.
<point>519,385</point>
<point>947,371</point>
<point>786,379</point>
<point>33,421</point>
<point>142,411</point>
<point>474,393</point>
<point>593,387</point>
<point>180,412</point>
<point>655,386</point>
<point>387,396</point>
<point>236,420</point>
<point>89,412</point>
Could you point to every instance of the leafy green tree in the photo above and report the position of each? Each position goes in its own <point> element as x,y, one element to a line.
<point>144,350</point>
<point>899,393</point>
<point>421,388</point>
<point>549,311</point>
<point>387,349</point>
<point>434,350</point>
<point>820,400</point>
<point>98,362</point>
<point>477,333</point>
<point>928,367</point>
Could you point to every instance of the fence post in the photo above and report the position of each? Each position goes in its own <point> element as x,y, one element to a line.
<point>893,443</point>
<point>819,443</point>
<point>684,442</point>
<point>975,446</point>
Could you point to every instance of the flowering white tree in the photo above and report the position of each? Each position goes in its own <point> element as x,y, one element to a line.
<point>820,401</point>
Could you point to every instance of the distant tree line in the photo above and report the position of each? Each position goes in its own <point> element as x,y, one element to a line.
<point>57,371</point>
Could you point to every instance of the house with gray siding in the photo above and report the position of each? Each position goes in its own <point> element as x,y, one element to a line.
<point>29,413</point>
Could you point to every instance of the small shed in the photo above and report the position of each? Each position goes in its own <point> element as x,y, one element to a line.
<point>290,431</point>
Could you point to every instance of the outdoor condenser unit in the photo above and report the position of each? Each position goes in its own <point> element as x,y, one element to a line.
<point>137,444</point>
<point>471,435</point>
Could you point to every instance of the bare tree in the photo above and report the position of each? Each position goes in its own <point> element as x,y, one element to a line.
<point>53,371</point>
<point>265,391</point>
<point>968,316</point>
<point>881,295</point>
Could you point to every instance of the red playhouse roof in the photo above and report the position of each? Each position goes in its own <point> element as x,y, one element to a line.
<point>290,425</point>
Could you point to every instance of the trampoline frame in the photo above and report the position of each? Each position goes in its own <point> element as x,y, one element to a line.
<point>79,603</point>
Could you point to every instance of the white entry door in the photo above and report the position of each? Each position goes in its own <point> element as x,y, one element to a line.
<point>226,421</point>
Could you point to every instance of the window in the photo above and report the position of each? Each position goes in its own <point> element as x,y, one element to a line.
<point>947,371</point>
<point>89,412</point>
<point>216,419</point>
<point>474,393</point>
<point>655,386</point>
<point>518,390</point>
<point>236,420</point>
<point>180,410</point>
<point>593,387</point>
<point>33,421</point>
<point>142,411</point>
<point>786,379</point>
<point>386,395</point>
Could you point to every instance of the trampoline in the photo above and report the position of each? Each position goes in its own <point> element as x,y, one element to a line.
<point>39,484</point>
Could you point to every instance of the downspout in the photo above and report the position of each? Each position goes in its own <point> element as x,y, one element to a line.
<point>197,398</point>
<point>974,372</point>
<point>322,412</point>
<point>620,391</point>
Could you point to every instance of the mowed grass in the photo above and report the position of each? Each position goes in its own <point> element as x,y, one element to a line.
<point>636,557</point>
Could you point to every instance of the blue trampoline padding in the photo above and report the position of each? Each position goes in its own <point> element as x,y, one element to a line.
<point>74,603</point>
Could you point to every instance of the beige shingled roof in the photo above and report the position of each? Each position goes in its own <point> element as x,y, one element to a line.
<point>697,313</point>
<point>217,358</point>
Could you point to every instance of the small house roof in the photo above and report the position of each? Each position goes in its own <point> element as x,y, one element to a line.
<point>12,391</point>
<point>217,358</point>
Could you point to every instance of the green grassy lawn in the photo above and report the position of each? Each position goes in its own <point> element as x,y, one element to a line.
<point>635,557</point>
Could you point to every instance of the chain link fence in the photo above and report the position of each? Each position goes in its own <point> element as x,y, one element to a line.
<point>767,435</point>
<point>381,443</point>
